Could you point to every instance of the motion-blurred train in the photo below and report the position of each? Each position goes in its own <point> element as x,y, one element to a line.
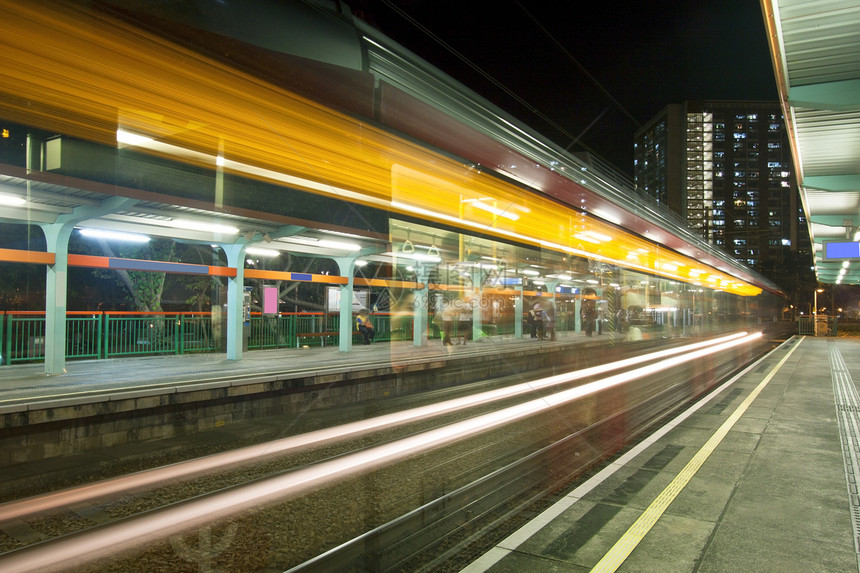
<point>297,127</point>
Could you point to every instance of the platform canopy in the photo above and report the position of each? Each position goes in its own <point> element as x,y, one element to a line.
<point>815,48</point>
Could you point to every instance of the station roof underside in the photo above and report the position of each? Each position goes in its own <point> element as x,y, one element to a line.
<point>815,48</point>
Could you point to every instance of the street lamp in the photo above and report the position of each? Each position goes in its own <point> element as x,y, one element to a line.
<point>815,301</point>
<point>815,311</point>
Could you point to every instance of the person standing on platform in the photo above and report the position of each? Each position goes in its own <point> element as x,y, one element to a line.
<point>530,322</point>
<point>620,320</point>
<point>365,326</point>
<point>448,316</point>
<point>589,315</point>
<point>464,324</point>
<point>549,323</point>
<point>540,325</point>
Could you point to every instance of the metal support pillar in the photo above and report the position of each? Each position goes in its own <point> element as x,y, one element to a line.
<point>235,300</point>
<point>56,281</point>
<point>518,313</point>
<point>56,291</point>
<point>419,306</point>
<point>346,268</point>
<point>475,302</point>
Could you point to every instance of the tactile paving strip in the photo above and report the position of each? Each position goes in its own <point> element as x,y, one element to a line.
<point>848,414</point>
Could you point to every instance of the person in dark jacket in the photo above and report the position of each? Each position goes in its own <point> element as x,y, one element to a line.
<point>365,326</point>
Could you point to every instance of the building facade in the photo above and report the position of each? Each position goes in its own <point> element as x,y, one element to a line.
<point>726,167</point>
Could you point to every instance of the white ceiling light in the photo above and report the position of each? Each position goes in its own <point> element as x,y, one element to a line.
<point>262,252</point>
<point>491,209</point>
<point>11,200</point>
<point>342,245</point>
<point>129,138</point>
<point>114,235</point>
<point>201,226</point>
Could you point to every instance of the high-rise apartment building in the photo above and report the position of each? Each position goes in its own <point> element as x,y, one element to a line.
<point>726,167</point>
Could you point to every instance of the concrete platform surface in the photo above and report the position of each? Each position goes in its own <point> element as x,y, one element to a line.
<point>28,382</point>
<point>758,476</point>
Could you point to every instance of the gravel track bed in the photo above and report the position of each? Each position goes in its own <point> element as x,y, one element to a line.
<point>283,535</point>
<point>358,504</point>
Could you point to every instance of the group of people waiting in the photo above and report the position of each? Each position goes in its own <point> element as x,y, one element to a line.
<point>456,321</point>
<point>541,323</point>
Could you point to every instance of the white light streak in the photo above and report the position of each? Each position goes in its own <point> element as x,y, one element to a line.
<point>137,531</point>
<point>195,468</point>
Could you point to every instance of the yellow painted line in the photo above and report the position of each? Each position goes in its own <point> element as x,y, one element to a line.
<point>631,538</point>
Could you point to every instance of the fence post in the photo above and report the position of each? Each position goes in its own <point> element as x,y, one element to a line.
<point>99,330</point>
<point>177,339</point>
<point>8,339</point>
<point>180,342</point>
<point>106,333</point>
<point>291,331</point>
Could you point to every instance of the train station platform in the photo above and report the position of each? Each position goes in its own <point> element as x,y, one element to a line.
<point>759,475</point>
<point>24,384</point>
<point>127,405</point>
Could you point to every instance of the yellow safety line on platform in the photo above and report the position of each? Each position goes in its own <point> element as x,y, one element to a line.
<point>631,538</point>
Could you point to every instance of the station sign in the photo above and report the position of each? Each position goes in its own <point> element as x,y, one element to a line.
<point>841,250</point>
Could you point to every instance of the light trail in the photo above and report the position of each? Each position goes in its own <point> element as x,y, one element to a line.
<point>137,531</point>
<point>191,469</point>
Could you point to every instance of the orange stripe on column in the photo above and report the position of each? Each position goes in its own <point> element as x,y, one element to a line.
<point>20,256</point>
<point>91,261</point>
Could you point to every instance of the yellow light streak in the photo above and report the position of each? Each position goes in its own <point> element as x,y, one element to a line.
<point>87,75</point>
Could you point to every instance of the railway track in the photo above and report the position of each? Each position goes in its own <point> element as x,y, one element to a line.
<point>408,490</point>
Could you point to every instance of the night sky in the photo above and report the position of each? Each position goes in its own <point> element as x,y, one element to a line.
<point>588,76</point>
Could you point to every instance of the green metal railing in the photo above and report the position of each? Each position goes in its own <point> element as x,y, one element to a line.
<point>107,335</point>
<point>115,334</point>
<point>827,325</point>
<point>96,335</point>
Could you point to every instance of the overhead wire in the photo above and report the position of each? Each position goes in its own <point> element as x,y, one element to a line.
<point>576,63</point>
<point>484,73</point>
<point>574,139</point>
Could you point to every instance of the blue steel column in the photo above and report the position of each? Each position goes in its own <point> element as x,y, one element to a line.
<point>56,281</point>
<point>235,299</point>
<point>56,286</point>
<point>419,306</point>
<point>551,286</point>
<point>518,312</point>
<point>346,268</point>
<point>577,311</point>
<point>476,300</point>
